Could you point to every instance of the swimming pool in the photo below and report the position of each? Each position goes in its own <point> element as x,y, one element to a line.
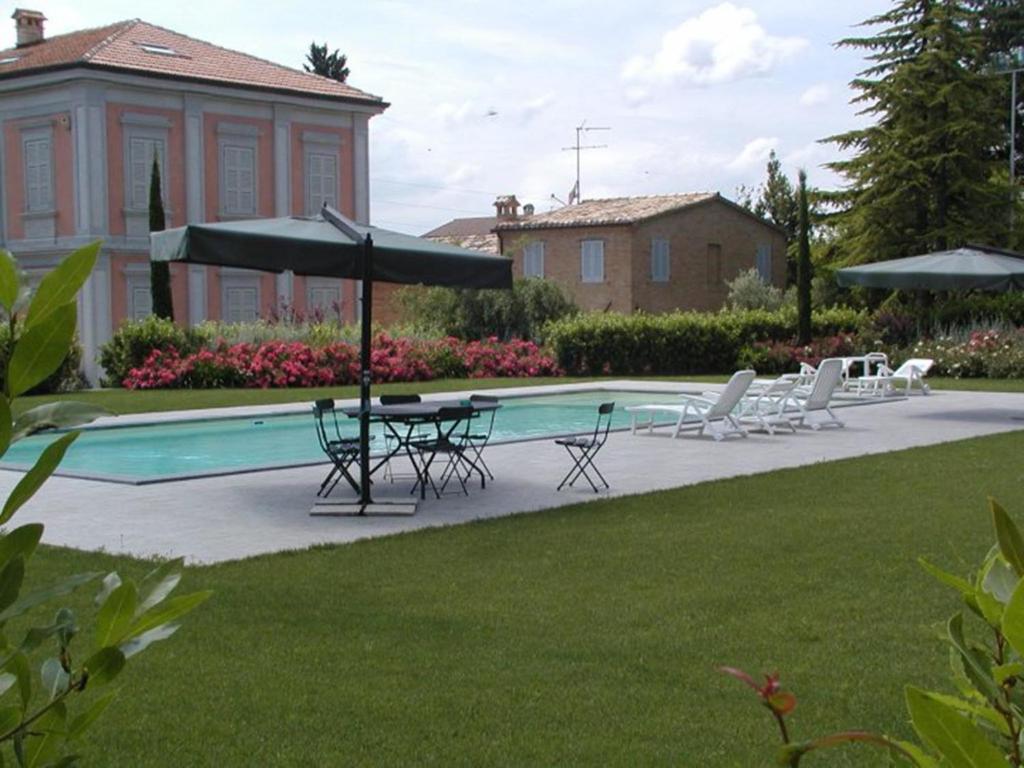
<point>174,450</point>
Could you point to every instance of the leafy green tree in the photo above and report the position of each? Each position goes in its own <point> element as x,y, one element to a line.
<point>803,262</point>
<point>320,62</point>
<point>159,271</point>
<point>53,676</point>
<point>775,201</point>
<point>922,177</point>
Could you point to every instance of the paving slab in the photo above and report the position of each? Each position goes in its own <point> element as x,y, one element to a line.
<point>215,519</point>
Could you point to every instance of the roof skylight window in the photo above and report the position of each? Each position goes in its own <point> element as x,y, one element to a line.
<point>156,48</point>
<point>9,60</point>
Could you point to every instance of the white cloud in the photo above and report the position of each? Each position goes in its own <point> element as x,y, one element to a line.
<point>465,172</point>
<point>720,45</point>
<point>755,152</point>
<point>509,43</point>
<point>535,106</point>
<point>815,95</point>
<point>455,114</point>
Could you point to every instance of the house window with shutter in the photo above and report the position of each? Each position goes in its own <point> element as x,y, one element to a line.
<point>321,181</point>
<point>533,259</point>
<point>240,296</point>
<point>141,151</point>
<point>592,261</point>
<point>323,296</point>
<point>238,176</point>
<point>659,260</point>
<point>764,262</point>
<point>38,153</point>
<point>714,267</point>
<point>139,298</point>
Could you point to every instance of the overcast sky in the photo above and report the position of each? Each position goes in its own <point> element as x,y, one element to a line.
<point>484,95</point>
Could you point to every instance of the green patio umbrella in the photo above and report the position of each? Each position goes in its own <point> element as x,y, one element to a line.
<point>973,267</point>
<point>330,245</point>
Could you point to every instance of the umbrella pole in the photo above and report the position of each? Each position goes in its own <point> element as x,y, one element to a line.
<point>365,373</point>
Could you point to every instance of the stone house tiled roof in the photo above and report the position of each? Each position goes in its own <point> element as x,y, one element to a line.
<point>486,243</point>
<point>610,211</point>
<point>136,46</point>
<point>473,225</point>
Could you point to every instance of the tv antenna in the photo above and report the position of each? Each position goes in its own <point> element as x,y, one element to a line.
<point>582,128</point>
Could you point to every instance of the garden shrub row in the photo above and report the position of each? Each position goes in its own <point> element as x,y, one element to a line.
<point>679,342</point>
<point>297,364</point>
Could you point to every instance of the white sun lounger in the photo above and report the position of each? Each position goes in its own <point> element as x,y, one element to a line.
<point>811,403</point>
<point>882,384</point>
<point>764,407</point>
<point>710,414</point>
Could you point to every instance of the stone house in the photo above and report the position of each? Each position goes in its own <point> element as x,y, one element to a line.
<point>656,254</point>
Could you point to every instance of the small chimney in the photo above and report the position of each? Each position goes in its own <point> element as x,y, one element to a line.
<point>29,25</point>
<point>508,207</point>
<point>528,210</point>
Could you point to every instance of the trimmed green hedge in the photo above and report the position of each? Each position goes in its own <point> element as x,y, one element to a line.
<point>680,342</point>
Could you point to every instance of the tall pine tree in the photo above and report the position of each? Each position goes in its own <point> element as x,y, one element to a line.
<point>159,271</point>
<point>922,177</point>
<point>777,203</point>
<point>320,62</point>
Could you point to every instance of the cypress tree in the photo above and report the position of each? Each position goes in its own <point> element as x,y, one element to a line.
<point>778,204</point>
<point>803,262</point>
<point>159,271</point>
<point>923,176</point>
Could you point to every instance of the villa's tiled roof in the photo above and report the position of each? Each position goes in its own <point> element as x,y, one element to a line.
<point>143,48</point>
<point>609,211</point>
<point>486,243</point>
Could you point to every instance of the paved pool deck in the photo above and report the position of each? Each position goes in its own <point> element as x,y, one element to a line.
<point>235,516</point>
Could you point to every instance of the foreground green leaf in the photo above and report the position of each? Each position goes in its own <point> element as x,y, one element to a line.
<point>81,723</point>
<point>33,599</point>
<point>104,665</point>
<point>1013,620</point>
<point>35,477</point>
<point>41,349</point>
<point>957,739</point>
<point>21,541</point>
<point>48,736</point>
<point>163,580</point>
<point>173,609</point>
<point>142,642</point>
<point>6,427</point>
<point>976,666</point>
<point>63,414</point>
<point>11,577</point>
<point>9,283</point>
<point>116,615</point>
<point>60,286</point>
<point>55,678</point>
<point>1008,535</point>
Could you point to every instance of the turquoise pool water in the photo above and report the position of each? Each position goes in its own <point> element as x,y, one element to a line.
<point>173,450</point>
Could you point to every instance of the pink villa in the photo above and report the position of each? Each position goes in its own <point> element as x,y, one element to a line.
<point>235,136</point>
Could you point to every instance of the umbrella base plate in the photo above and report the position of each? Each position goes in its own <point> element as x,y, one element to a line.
<point>355,509</point>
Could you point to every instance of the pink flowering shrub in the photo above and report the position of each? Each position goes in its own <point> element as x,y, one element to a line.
<point>277,364</point>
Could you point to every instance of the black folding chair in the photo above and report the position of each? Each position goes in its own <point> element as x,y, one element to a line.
<point>584,449</point>
<point>342,451</point>
<point>390,440</point>
<point>476,440</point>
<point>447,443</point>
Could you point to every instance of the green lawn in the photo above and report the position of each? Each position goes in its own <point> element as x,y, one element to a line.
<point>125,401</point>
<point>583,636</point>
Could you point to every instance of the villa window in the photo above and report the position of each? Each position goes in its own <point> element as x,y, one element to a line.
<point>240,297</point>
<point>145,138</point>
<point>38,153</point>
<point>659,260</point>
<point>764,262</point>
<point>238,150</point>
<point>139,299</point>
<point>321,181</point>
<point>533,259</point>
<point>592,261</point>
<point>238,166</point>
<point>141,151</point>
<point>323,295</point>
